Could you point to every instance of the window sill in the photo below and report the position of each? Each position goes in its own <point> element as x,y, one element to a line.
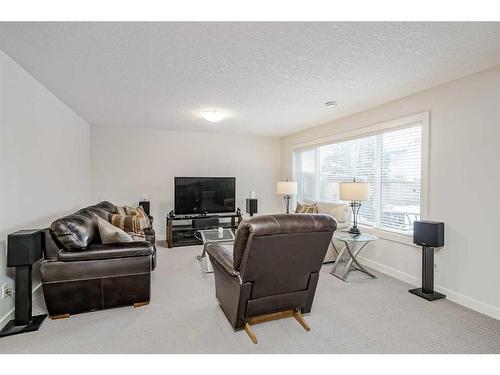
<point>404,239</point>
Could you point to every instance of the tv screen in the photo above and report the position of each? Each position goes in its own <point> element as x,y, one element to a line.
<point>199,195</point>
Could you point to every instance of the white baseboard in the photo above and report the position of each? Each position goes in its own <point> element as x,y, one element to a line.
<point>10,314</point>
<point>461,299</point>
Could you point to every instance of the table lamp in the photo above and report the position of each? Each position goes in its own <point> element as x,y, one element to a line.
<point>356,192</point>
<point>287,189</point>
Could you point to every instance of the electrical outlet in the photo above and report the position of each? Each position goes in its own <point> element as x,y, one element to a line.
<point>4,290</point>
<point>436,267</point>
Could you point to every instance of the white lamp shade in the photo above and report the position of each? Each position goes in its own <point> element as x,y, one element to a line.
<point>286,187</point>
<point>354,191</point>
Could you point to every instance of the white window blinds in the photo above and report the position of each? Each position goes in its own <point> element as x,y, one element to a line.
<point>389,161</point>
<point>305,163</point>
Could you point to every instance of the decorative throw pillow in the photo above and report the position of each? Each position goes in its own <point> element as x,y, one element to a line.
<point>139,211</point>
<point>130,224</point>
<point>144,216</point>
<point>111,234</point>
<point>303,208</point>
<point>120,210</point>
<point>340,211</point>
<point>130,210</point>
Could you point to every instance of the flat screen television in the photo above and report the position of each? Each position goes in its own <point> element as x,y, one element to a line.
<point>204,195</point>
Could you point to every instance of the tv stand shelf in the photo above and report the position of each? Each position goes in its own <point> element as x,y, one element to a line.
<point>180,231</point>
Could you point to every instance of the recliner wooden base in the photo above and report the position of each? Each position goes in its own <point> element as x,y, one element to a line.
<point>61,316</point>
<point>140,304</point>
<point>274,316</point>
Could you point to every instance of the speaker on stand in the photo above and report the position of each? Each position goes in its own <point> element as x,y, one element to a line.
<point>429,235</point>
<point>24,248</point>
<point>145,206</point>
<point>251,206</point>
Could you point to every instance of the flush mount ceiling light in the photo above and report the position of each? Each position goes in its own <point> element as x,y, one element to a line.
<point>213,115</point>
<point>331,104</point>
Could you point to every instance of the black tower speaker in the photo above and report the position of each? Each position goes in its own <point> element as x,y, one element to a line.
<point>24,248</point>
<point>251,206</point>
<point>428,234</point>
<point>145,206</point>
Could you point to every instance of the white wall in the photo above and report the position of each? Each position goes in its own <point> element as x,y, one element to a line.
<point>464,186</point>
<point>44,159</point>
<point>127,162</point>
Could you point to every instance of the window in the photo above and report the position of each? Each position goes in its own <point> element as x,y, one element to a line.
<point>389,160</point>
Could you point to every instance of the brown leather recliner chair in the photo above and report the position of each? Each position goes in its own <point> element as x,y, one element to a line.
<point>81,274</point>
<point>274,268</point>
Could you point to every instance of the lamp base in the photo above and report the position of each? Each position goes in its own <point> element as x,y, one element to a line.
<point>354,230</point>
<point>287,203</point>
<point>432,296</point>
<point>11,328</point>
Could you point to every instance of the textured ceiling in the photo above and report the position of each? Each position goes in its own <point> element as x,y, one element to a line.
<point>272,78</point>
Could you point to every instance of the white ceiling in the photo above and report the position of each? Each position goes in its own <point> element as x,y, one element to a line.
<point>272,78</point>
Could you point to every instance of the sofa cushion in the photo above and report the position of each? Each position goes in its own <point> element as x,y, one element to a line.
<point>95,210</point>
<point>130,224</point>
<point>110,251</point>
<point>340,211</point>
<point>77,231</point>
<point>112,234</point>
<point>106,206</point>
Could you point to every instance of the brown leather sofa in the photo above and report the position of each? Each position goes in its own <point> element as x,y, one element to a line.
<point>81,274</point>
<point>274,267</point>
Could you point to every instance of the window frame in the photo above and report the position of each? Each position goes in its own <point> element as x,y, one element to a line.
<point>421,119</point>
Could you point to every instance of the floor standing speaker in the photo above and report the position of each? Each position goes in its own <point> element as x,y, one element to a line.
<point>428,234</point>
<point>145,206</point>
<point>24,248</point>
<point>251,206</point>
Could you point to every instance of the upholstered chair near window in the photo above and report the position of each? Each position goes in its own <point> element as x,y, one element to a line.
<point>340,211</point>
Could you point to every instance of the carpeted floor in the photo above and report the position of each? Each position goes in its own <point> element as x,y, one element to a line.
<point>361,316</point>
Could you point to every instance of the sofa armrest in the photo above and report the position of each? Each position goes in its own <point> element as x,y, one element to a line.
<point>220,255</point>
<point>109,251</point>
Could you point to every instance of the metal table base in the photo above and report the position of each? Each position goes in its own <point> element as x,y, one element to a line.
<point>346,257</point>
<point>208,240</point>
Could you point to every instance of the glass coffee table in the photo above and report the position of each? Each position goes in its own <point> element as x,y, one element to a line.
<point>209,236</point>
<point>347,256</point>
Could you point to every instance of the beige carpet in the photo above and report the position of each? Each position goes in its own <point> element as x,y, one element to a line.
<point>362,316</point>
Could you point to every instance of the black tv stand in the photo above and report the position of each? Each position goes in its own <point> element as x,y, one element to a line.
<point>180,231</point>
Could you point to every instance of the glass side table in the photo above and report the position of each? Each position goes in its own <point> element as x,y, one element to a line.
<point>347,256</point>
<point>209,236</point>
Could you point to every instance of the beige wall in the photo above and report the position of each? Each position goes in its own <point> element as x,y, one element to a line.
<point>464,186</point>
<point>127,162</point>
<point>44,160</point>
